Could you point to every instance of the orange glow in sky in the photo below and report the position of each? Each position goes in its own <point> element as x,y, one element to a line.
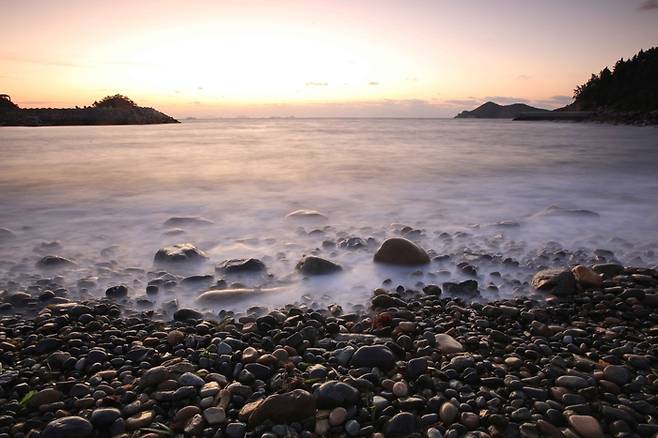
<point>314,58</point>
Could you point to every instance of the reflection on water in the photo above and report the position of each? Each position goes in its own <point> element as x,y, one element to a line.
<point>92,188</point>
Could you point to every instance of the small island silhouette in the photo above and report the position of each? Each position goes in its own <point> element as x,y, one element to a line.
<point>626,94</point>
<point>111,110</point>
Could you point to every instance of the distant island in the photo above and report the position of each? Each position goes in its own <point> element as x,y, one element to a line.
<point>492,110</point>
<point>111,110</point>
<point>627,94</point>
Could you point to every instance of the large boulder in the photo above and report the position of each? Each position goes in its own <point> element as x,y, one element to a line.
<point>311,265</point>
<point>180,253</point>
<point>401,252</point>
<point>559,282</point>
<point>295,405</point>
<point>240,266</point>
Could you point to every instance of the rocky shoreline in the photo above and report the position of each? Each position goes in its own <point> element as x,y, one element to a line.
<point>580,361</point>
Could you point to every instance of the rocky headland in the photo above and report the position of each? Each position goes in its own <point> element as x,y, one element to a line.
<point>492,110</point>
<point>112,110</point>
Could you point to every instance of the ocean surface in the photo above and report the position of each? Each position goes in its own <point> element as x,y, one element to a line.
<point>476,191</point>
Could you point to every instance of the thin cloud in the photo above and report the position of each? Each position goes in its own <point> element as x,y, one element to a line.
<point>524,77</point>
<point>373,83</point>
<point>316,84</point>
<point>554,101</point>
<point>649,5</point>
<point>47,62</point>
<point>462,102</point>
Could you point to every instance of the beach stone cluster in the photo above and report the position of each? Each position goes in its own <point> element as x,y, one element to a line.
<point>582,363</point>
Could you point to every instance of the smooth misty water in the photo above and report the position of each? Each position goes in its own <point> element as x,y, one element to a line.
<point>94,187</point>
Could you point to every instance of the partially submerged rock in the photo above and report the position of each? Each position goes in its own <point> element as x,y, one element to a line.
<point>311,265</point>
<point>241,266</point>
<point>555,211</point>
<point>182,221</point>
<point>307,216</point>
<point>180,253</point>
<point>221,296</point>
<point>467,287</point>
<point>559,282</point>
<point>402,252</point>
<point>53,262</point>
<point>116,292</point>
<point>6,234</point>
<point>187,315</point>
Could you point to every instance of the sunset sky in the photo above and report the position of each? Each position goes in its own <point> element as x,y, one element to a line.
<point>314,58</point>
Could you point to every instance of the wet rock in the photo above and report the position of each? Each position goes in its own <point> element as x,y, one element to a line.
<point>6,234</point>
<point>337,416</point>
<point>401,252</point>
<point>104,417</point>
<point>311,265</point>
<point>586,426</point>
<point>67,427</point>
<point>53,262</point>
<point>140,420</point>
<point>214,415</point>
<point>333,393</point>
<point>303,215</point>
<point>586,277</point>
<point>44,397</point>
<point>448,413</point>
<point>223,296</point>
<point>467,288</point>
<point>555,211</point>
<point>559,282</point>
<point>617,374</point>
<point>154,376</point>
<point>182,221</point>
<point>116,292</point>
<point>373,356</point>
<point>402,425</point>
<point>384,301</point>
<point>432,289</point>
<point>284,408</point>
<point>447,344</point>
<point>181,253</point>
<point>608,270</point>
<point>187,315</point>
<point>241,266</point>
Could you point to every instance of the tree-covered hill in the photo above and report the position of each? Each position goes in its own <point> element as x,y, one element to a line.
<point>631,86</point>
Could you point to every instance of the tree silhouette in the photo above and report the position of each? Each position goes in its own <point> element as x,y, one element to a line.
<point>116,101</point>
<point>632,85</point>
